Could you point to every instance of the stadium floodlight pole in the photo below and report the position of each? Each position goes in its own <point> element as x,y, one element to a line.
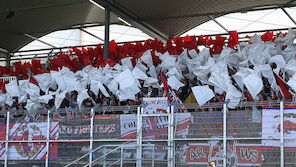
<point>7,138</point>
<point>107,32</point>
<point>282,132</point>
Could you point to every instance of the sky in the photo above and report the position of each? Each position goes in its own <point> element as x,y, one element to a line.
<point>241,22</point>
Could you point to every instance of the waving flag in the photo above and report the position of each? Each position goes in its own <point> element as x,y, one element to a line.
<point>172,97</point>
<point>284,86</point>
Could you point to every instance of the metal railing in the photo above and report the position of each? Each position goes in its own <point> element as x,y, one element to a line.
<point>11,78</point>
<point>183,139</point>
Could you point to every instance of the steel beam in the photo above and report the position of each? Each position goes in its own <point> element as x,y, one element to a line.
<point>171,145</point>
<point>5,54</point>
<point>213,18</point>
<point>211,35</point>
<point>91,137</point>
<point>121,157</point>
<point>290,17</point>
<point>132,18</point>
<point>224,135</point>
<point>282,132</point>
<point>7,139</point>
<point>139,136</point>
<point>91,34</point>
<point>107,32</point>
<point>146,140</point>
<point>67,47</point>
<point>7,59</point>
<point>37,39</point>
<point>47,139</point>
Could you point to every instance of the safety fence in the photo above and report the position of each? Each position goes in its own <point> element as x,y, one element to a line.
<point>254,134</point>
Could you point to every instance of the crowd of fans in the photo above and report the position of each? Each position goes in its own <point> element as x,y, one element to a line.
<point>69,106</point>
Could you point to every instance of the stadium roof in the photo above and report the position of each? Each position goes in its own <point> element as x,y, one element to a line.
<point>22,20</point>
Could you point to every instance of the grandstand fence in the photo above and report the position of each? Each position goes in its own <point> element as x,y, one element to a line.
<point>254,134</point>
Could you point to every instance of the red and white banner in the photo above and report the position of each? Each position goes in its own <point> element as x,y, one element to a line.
<point>29,132</point>
<point>237,154</point>
<point>155,105</point>
<point>271,126</point>
<point>153,127</point>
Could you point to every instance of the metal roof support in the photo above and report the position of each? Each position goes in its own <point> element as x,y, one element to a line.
<point>291,18</point>
<point>220,13</point>
<point>91,34</point>
<point>107,32</point>
<point>7,60</point>
<point>25,54</point>
<point>133,19</point>
<point>48,59</point>
<point>30,36</point>
<point>213,18</point>
<point>5,54</point>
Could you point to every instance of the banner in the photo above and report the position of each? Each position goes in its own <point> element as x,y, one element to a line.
<point>105,127</point>
<point>153,127</point>
<point>155,105</point>
<point>212,151</point>
<point>239,124</point>
<point>29,132</point>
<point>271,126</point>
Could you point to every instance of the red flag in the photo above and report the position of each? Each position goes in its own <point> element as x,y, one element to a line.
<point>86,61</point>
<point>268,36</point>
<point>284,86</point>
<point>2,85</point>
<point>165,85</point>
<point>249,97</point>
<point>233,39</point>
<point>172,97</point>
<point>33,81</point>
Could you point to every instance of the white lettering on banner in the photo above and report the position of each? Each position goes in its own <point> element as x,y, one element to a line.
<point>237,154</point>
<point>128,126</point>
<point>271,126</point>
<point>162,121</point>
<point>84,129</point>
<point>155,100</point>
<point>155,105</point>
<point>150,124</point>
<point>249,154</point>
<point>197,153</point>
